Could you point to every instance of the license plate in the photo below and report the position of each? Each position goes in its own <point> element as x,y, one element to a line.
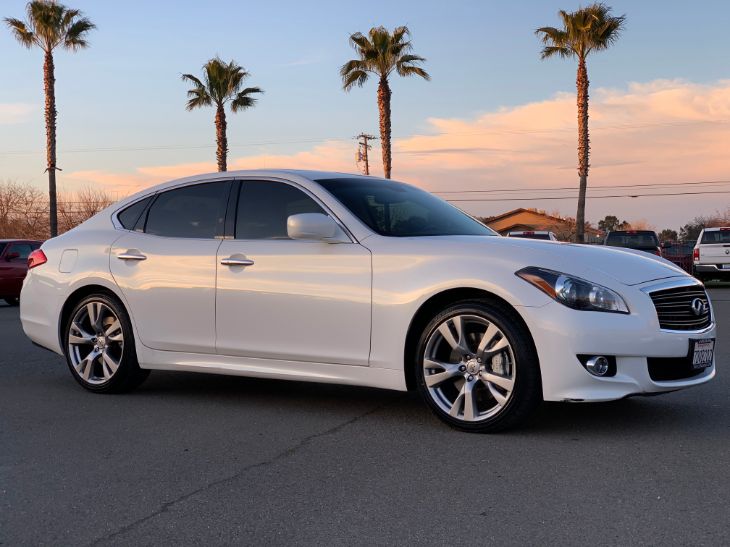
<point>702,353</point>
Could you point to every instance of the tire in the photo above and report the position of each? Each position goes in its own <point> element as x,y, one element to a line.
<point>12,301</point>
<point>501,379</point>
<point>99,346</point>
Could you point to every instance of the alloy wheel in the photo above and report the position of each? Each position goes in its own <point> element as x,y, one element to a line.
<point>95,342</point>
<point>469,368</point>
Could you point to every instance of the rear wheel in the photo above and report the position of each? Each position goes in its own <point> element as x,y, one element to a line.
<point>14,301</point>
<point>477,369</point>
<point>100,349</point>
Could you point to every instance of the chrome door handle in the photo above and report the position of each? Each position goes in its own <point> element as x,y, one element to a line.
<point>131,256</point>
<point>230,261</point>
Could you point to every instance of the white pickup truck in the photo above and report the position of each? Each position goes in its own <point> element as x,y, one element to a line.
<point>711,255</point>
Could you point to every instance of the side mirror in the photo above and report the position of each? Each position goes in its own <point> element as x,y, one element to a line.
<point>312,226</point>
<point>12,256</point>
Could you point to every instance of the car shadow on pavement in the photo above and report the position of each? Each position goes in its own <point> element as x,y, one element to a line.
<point>671,413</point>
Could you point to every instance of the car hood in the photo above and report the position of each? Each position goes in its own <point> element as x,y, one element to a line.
<point>626,266</point>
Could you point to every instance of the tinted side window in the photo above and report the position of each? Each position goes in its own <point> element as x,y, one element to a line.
<point>192,211</point>
<point>23,249</point>
<point>129,216</point>
<point>264,207</point>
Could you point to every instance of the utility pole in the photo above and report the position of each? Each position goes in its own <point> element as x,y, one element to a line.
<point>362,150</point>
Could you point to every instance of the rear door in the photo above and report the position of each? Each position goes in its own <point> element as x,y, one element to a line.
<point>284,299</point>
<point>167,269</point>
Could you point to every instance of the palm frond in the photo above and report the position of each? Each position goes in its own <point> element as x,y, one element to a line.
<point>551,51</point>
<point>75,35</point>
<point>221,83</point>
<point>50,24</point>
<point>354,78</point>
<point>244,99</point>
<point>360,42</point>
<point>198,97</point>
<point>584,30</point>
<point>410,70</point>
<point>381,52</point>
<point>21,32</point>
<point>193,79</point>
<point>351,65</point>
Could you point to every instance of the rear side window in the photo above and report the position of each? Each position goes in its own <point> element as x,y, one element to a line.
<point>715,236</point>
<point>196,211</point>
<point>129,216</point>
<point>2,247</point>
<point>264,207</point>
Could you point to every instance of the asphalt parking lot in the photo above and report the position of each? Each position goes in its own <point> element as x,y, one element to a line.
<point>216,460</point>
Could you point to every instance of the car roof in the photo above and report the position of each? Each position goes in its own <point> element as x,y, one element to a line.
<point>20,240</point>
<point>286,174</point>
<point>717,228</point>
<point>530,232</point>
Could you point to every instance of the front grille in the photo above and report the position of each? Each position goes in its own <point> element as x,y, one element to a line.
<point>667,369</point>
<point>674,308</point>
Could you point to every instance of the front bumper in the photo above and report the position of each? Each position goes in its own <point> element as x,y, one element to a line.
<point>561,334</point>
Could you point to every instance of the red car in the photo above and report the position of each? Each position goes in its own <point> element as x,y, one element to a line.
<point>13,267</point>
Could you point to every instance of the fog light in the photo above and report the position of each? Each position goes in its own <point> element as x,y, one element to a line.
<point>598,366</point>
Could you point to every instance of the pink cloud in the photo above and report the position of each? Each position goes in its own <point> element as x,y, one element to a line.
<point>664,131</point>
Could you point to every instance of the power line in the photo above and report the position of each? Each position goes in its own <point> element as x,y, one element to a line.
<point>538,198</point>
<point>612,186</point>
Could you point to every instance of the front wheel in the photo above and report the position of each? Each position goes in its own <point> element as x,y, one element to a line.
<point>477,368</point>
<point>100,349</point>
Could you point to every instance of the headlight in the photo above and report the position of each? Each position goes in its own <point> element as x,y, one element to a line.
<point>574,292</point>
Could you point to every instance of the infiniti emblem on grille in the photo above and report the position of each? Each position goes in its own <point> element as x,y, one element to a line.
<point>698,306</point>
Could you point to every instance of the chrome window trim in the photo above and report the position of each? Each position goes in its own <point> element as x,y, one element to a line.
<point>677,283</point>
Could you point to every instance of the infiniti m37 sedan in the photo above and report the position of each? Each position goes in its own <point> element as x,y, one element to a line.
<point>338,278</point>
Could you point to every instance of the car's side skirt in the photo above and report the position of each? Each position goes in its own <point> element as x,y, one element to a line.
<point>268,368</point>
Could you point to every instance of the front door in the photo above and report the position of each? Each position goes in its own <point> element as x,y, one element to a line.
<point>167,271</point>
<point>278,298</point>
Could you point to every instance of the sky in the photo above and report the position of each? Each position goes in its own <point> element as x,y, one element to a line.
<point>494,116</point>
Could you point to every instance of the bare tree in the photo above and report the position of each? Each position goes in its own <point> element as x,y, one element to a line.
<point>24,209</point>
<point>76,208</point>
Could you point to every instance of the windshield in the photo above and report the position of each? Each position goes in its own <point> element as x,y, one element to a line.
<point>716,236</point>
<point>399,210</point>
<point>637,240</point>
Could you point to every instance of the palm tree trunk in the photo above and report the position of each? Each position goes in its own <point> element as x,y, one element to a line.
<point>49,82</point>
<point>583,148</point>
<point>384,109</point>
<point>221,138</point>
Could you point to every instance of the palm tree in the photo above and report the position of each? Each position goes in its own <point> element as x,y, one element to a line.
<point>221,83</point>
<point>49,26</point>
<point>586,30</point>
<point>381,53</point>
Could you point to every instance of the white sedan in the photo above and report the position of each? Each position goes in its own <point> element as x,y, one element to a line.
<point>329,277</point>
